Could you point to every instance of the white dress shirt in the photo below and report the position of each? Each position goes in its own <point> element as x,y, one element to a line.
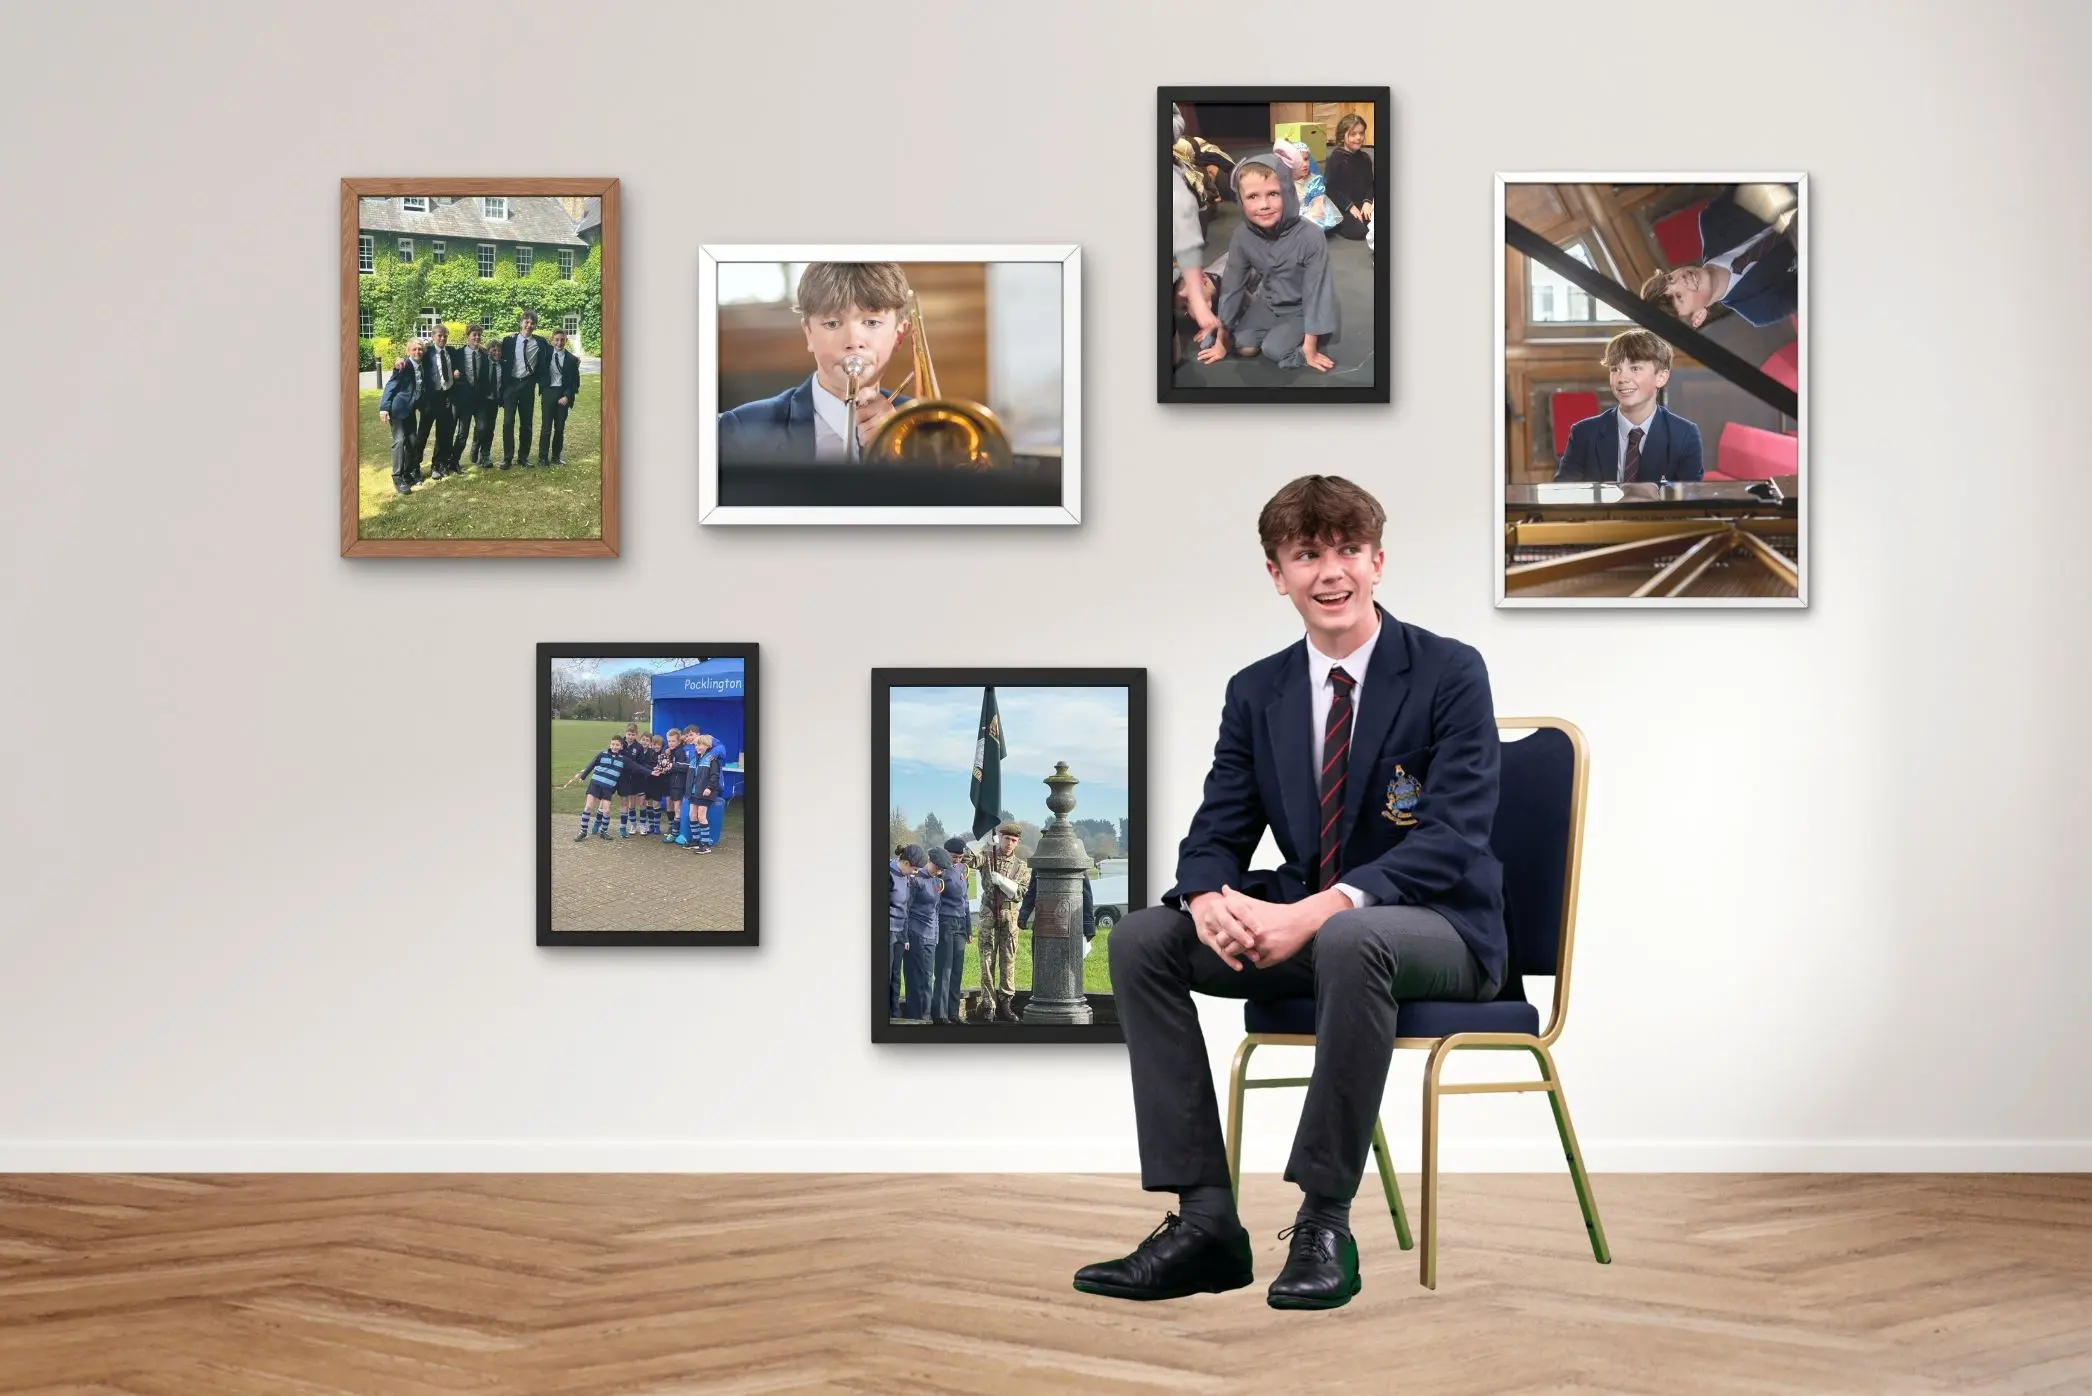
<point>833,421</point>
<point>1324,693</point>
<point>1620,458</point>
<point>1727,261</point>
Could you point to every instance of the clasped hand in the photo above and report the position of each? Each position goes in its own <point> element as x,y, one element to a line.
<point>1239,927</point>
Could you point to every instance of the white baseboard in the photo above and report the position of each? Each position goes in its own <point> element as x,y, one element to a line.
<point>1001,1156</point>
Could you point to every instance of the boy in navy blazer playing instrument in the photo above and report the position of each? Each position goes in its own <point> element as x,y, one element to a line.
<point>1637,439</point>
<point>853,314</point>
<point>1369,749</point>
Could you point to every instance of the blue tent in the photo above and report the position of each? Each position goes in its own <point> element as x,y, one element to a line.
<point>708,696</point>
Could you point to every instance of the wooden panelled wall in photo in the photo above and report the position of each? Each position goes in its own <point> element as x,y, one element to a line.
<point>1328,113</point>
<point>1540,359</point>
<point>762,349</point>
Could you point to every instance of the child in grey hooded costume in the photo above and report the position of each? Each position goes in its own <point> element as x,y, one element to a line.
<point>1277,289</point>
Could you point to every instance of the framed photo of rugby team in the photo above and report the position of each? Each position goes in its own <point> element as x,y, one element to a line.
<point>479,367</point>
<point>647,781</point>
<point>1273,278</point>
<point>1009,836</point>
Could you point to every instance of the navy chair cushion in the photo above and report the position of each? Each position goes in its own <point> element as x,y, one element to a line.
<point>1423,1018</point>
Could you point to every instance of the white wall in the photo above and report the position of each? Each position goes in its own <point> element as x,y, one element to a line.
<point>1833,913</point>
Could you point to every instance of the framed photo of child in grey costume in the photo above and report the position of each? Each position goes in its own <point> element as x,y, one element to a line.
<point>1273,285</point>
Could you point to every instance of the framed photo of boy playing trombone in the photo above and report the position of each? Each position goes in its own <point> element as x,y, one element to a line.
<point>907,385</point>
<point>479,326</point>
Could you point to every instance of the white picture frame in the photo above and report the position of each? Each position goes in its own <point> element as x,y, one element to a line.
<point>1069,509</point>
<point>1498,466</point>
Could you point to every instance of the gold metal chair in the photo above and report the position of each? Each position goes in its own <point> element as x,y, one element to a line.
<point>1538,837</point>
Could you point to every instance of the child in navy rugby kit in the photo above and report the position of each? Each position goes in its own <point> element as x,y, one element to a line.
<point>604,770</point>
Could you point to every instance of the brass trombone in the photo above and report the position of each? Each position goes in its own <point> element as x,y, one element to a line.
<point>935,429</point>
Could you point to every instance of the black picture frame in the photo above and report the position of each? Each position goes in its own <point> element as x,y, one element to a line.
<point>749,799</point>
<point>884,681</point>
<point>1381,389</point>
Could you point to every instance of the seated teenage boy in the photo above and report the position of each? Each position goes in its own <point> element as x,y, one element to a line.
<point>1369,749</point>
<point>1751,267</point>
<point>1278,298</point>
<point>1636,439</point>
<point>847,310</point>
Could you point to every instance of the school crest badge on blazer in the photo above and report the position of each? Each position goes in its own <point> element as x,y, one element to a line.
<point>1403,791</point>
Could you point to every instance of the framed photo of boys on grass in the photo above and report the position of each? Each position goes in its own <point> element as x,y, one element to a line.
<point>1273,279</point>
<point>1009,836</point>
<point>479,358</point>
<point>884,384</point>
<point>1652,369</point>
<point>646,810</point>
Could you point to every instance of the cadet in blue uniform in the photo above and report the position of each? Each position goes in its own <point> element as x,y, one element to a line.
<point>898,871</point>
<point>954,929</point>
<point>920,931</point>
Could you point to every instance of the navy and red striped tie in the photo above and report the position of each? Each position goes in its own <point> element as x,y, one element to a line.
<point>1336,757</point>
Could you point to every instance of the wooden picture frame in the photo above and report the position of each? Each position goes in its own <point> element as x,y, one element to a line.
<point>1309,102</point>
<point>1024,795</point>
<point>703,692</point>
<point>353,191</point>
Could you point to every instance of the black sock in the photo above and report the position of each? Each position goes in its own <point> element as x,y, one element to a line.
<point>1211,1209</point>
<point>1323,1210</point>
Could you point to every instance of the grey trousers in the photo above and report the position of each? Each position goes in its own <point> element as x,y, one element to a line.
<point>1355,968</point>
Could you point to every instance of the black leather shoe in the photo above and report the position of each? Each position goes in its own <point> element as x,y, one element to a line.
<point>1177,1259</point>
<point>1321,1269</point>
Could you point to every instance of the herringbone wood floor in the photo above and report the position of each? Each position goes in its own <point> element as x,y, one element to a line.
<point>592,1284</point>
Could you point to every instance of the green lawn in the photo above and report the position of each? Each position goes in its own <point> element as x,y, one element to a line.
<point>564,502</point>
<point>1096,970</point>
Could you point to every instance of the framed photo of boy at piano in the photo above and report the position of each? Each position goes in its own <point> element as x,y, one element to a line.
<point>1273,281</point>
<point>1652,368</point>
<point>890,384</point>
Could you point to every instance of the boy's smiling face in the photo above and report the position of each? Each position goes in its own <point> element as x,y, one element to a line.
<point>1636,383</point>
<point>870,334</point>
<point>1330,582</point>
<point>1262,199</point>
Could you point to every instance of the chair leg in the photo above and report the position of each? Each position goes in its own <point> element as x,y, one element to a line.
<point>1560,1105</point>
<point>1236,1091</point>
<point>1428,1266</point>
<point>1392,1188</point>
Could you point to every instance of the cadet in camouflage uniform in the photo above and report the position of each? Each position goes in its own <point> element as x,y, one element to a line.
<point>998,928</point>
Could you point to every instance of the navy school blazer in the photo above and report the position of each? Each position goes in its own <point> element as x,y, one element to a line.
<point>1670,450</point>
<point>1420,793</point>
<point>1770,291</point>
<point>777,428</point>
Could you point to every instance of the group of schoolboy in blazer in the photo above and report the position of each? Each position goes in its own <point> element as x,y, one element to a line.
<point>441,394</point>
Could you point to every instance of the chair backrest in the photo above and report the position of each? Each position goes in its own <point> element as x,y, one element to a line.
<point>1538,837</point>
<point>1565,410</point>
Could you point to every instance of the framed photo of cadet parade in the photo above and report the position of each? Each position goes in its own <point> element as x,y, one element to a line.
<point>1273,277</point>
<point>646,810</point>
<point>895,385</point>
<point>1652,372</point>
<point>1009,836</point>
<point>479,367</point>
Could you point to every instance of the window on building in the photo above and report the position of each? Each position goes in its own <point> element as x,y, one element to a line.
<point>1558,301</point>
<point>425,324</point>
<point>524,257</point>
<point>366,254</point>
<point>571,323</point>
<point>414,205</point>
<point>486,260</point>
<point>436,251</point>
<point>366,322</point>
<point>406,249</point>
<point>496,209</point>
<point>566,264</point>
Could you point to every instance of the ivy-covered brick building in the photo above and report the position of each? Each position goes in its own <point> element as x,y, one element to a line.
<point>487,259</point>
